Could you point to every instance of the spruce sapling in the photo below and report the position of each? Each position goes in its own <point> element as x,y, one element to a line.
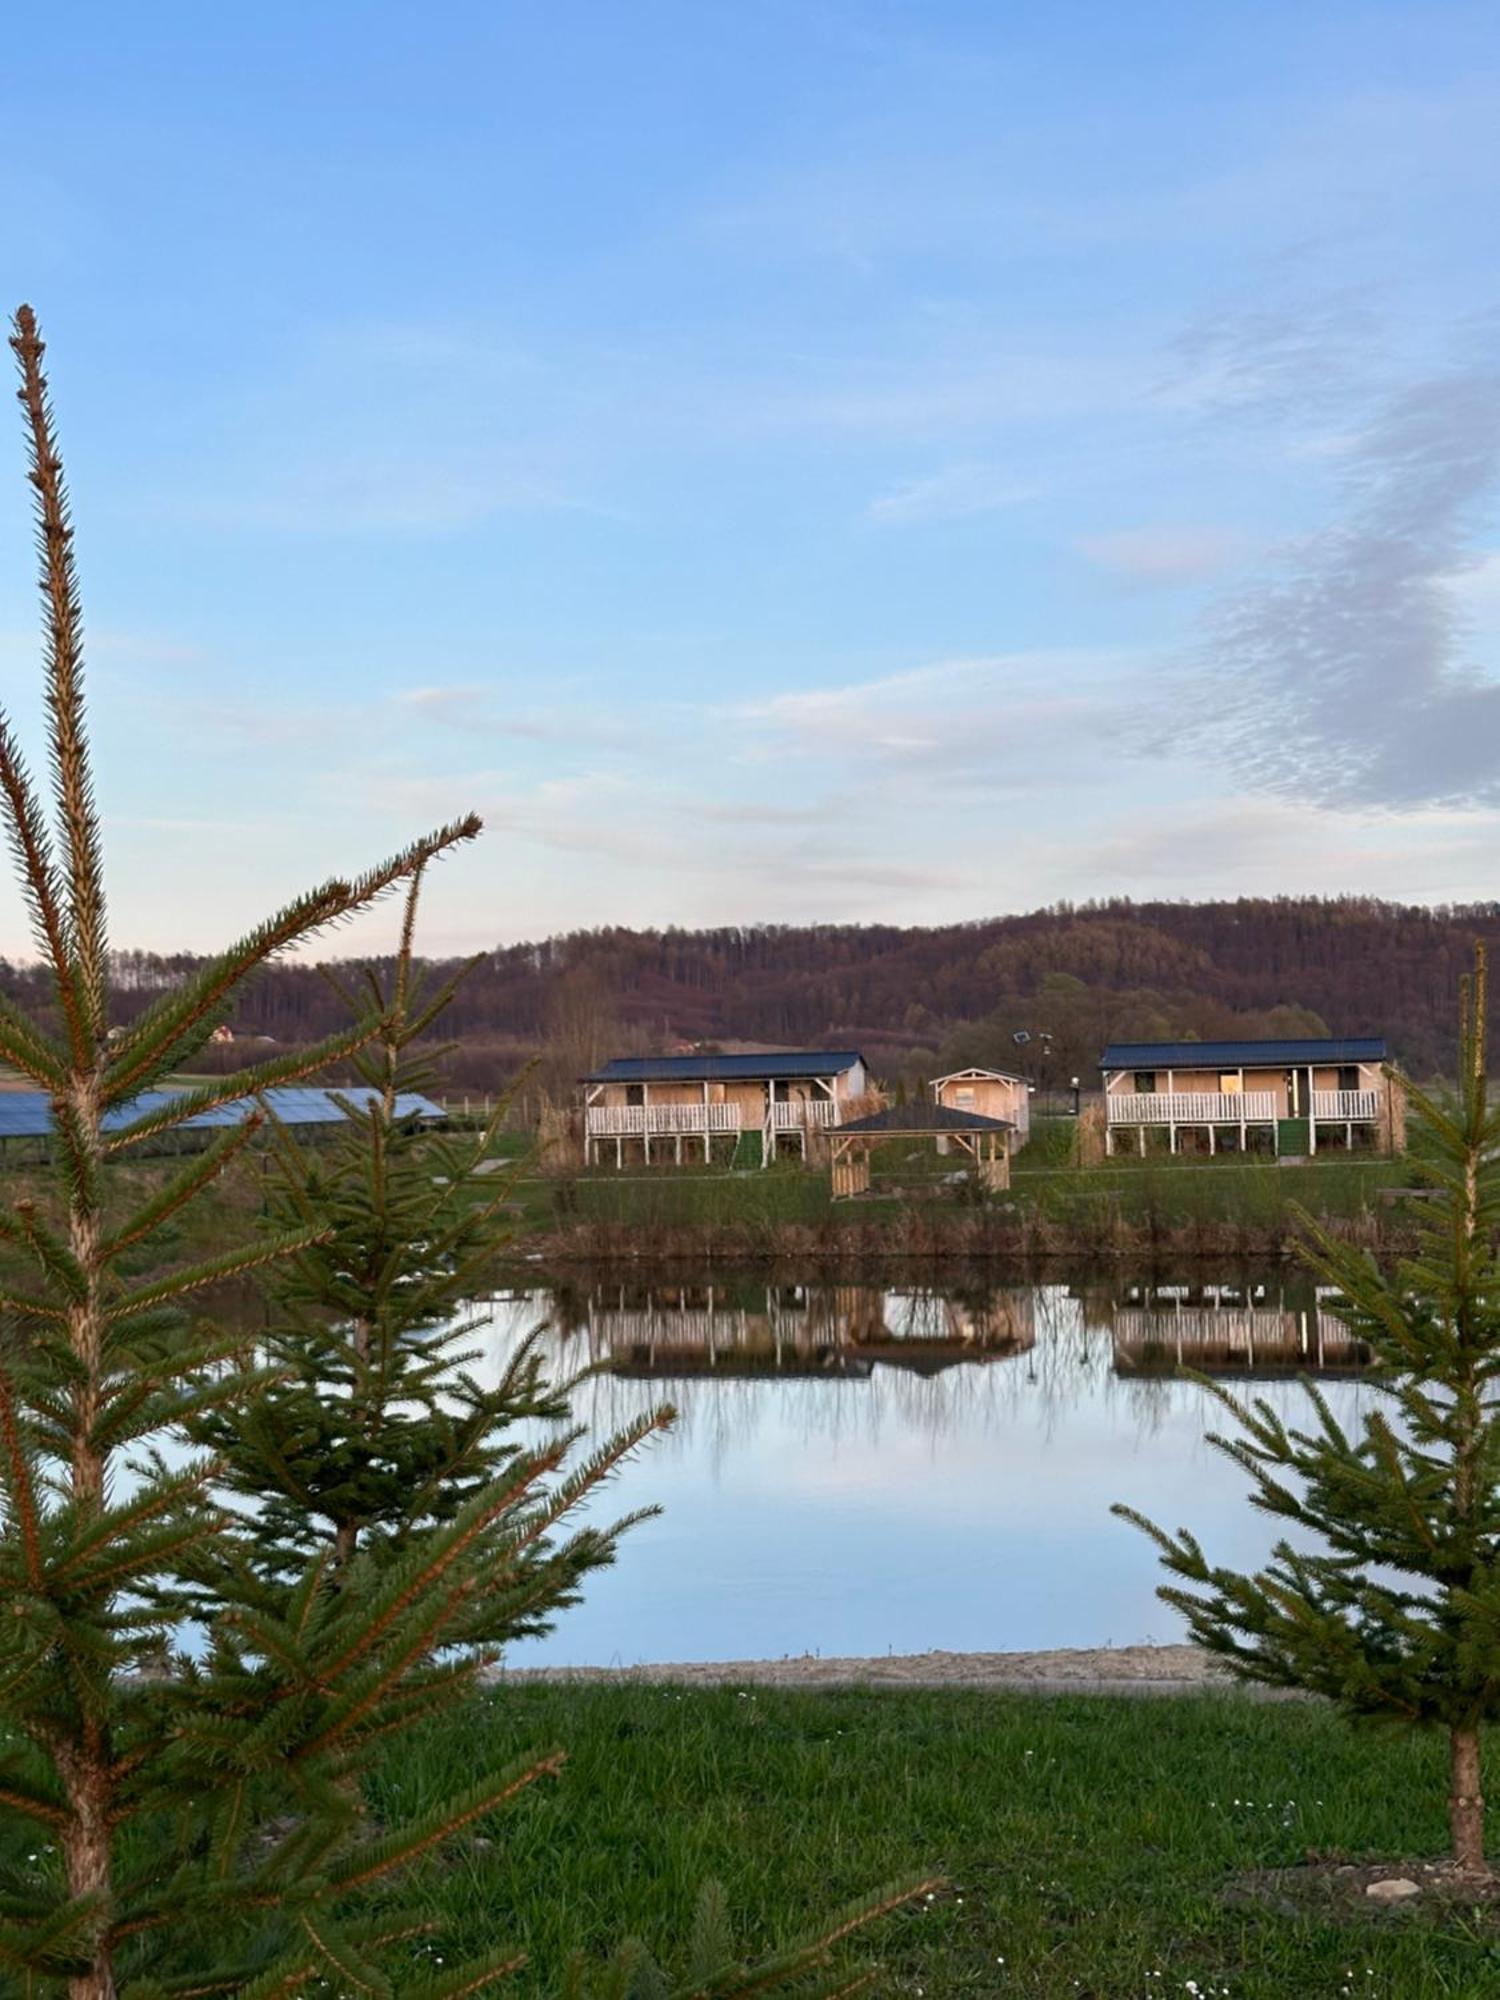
<point>1385,1593</point>
<point>377,1428</point>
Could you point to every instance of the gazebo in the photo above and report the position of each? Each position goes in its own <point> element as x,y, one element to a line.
<point>985,1140</point>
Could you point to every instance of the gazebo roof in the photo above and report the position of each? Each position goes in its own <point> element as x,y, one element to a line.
<point>921,1116</point>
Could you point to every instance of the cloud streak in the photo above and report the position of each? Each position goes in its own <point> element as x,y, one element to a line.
<point>953,494</point>
<point>1146,557</point>
<point>1346,673</point>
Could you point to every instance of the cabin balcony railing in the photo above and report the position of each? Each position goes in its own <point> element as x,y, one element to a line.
<point>617,1327</point>
<point>1192,1107</point>
<point>798,1114</point>
<point>1253,1330</point>
<point>1357,1107</point>
<point>651,1121</point>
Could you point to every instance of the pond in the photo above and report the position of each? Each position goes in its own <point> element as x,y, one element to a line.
<point>866,1468</point>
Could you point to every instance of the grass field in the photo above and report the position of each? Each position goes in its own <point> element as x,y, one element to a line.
<point>1077,1205</point>
<point>1088,1841</point>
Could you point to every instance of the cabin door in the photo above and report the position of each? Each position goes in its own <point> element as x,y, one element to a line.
<point>1300,1093</point>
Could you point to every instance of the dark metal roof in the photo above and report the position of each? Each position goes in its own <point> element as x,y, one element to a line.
<point>922,1115</point>
<point>1231,1055</point>
<point>726,1069</point>
<point>27,1114</point>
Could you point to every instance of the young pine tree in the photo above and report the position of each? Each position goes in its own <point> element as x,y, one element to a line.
<point>209,1817</point>
<point>1386,1594</point>
<point>376,1429</point>
<point>199,1831</point>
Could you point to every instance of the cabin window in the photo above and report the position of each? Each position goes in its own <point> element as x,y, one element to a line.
<point>1231,1083</point>
<point>1145,1083</point>
<point>635,1093</point>
<point>963,1097</point>
<point>1348,1077</point>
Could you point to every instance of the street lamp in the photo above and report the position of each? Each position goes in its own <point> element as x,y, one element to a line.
<point>1044,1065</point>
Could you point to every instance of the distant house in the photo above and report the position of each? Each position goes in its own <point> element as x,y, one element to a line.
<point>993,1093</point>
<point>1273,1096</point>
<point>634,1106</point>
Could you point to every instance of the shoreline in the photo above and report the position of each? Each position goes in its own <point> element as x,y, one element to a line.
<point>1127,1670</point>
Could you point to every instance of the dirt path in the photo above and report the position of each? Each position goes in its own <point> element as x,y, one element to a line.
<point>1135,1670</point>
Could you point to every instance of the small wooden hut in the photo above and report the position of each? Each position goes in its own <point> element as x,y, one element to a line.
<point>985,1140</point>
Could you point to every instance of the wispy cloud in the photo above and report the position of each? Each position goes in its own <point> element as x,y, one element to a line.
<point>1002,718</point>
<point>474,709</point>
<point>370,494</point>
<point>1300,354</point>
<point>1164,555</point>
<point>1345,672</point>
<point>950,495</point>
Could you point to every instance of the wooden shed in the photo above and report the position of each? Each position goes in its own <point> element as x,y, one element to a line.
<point>994,1093</point>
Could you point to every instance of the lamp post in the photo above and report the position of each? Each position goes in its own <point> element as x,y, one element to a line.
<point>1021,1037</point>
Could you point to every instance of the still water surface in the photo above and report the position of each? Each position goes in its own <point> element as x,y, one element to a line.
<point>861,1468</point>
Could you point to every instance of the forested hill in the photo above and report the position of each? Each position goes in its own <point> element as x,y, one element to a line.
<point>909,997</point>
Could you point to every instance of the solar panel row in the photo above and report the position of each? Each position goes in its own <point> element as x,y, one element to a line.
<point>27,1114</point>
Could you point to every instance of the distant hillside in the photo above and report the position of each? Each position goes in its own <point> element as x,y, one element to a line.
<point>909,998</point>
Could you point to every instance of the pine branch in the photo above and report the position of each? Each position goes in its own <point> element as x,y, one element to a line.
<point>234,1090</point>
<point>409,1843</point>
<point>182,1188</point>
<point>209,1271</point>
<point>71,776</point>
<point>163,1027</point>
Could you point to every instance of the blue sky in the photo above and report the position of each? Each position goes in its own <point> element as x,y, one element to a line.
<point>776,461</point>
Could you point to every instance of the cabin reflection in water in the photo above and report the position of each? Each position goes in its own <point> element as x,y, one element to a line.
<point>1256,1331</point>
<point>841,1331</point>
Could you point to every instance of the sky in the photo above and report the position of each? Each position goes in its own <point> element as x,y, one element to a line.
<point>781,461</point>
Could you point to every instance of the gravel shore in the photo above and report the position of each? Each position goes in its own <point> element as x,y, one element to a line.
<point>1086,1670</point>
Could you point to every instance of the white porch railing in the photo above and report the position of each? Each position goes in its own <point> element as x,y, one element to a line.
<point>645,1327</point>
<point>794,1116</point>
<point>1191,1107</point>
<point>1251,1331</point>
<point>650,1121</point>
<point>1360,1107</point>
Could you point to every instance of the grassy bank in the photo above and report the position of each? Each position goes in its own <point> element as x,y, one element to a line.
<point>1089,1842</point>
<point>918,1208</point>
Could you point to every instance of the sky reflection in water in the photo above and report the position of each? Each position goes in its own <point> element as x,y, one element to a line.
<point>862,1469</point>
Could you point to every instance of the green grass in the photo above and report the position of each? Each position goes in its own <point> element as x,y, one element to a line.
<point>1082,1202</point>
<point>1087,1841</point>
<point>1260,1188</point>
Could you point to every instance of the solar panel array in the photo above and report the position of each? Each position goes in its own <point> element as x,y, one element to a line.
<point>27,1114</point>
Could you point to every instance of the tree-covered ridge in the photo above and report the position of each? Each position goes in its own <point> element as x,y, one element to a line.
<point>958,992</point>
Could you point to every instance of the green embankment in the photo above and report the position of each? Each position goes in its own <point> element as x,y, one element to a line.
<point>1089,1842</point>
<point>921,1203</point>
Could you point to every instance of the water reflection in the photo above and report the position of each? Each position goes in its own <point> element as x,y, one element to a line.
<point>670,1333</point>
<point>667,1333</point>
<point>1248,1330</point>
<point>863,1467</point>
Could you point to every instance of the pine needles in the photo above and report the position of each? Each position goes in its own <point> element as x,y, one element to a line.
<point>1384,1591</point>
<point>339,1509</point>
